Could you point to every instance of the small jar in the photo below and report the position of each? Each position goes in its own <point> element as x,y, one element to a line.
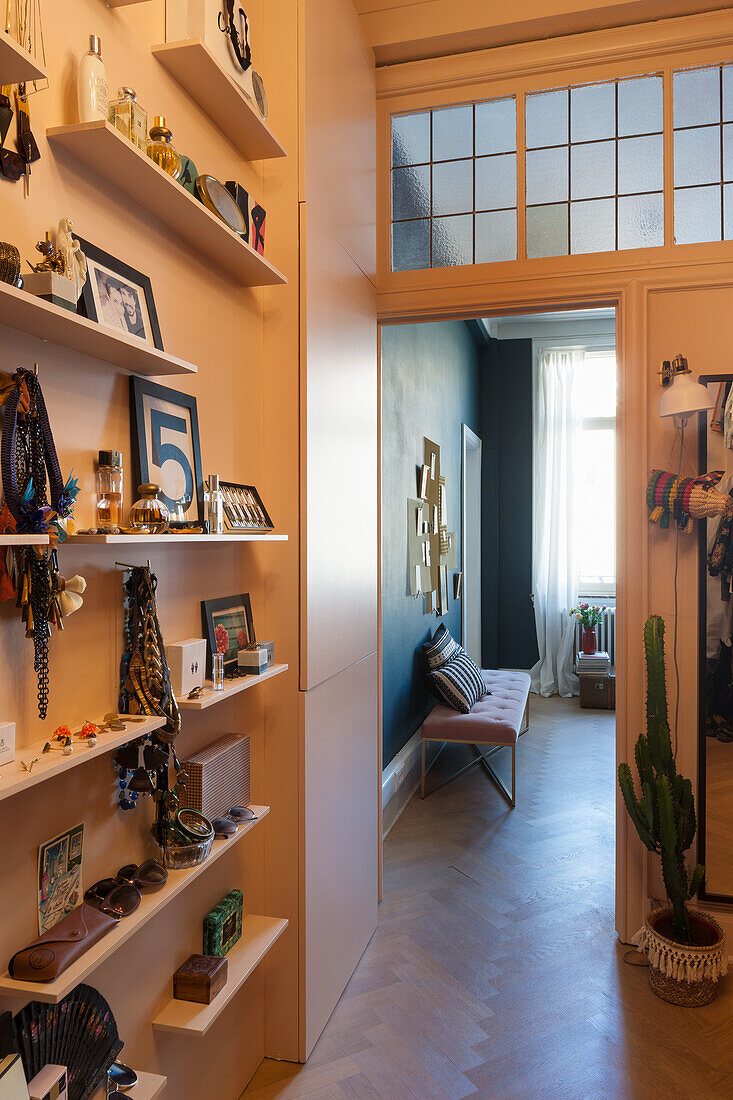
<point>127,116</point>
<point>161,150</point>
<point>110,478</point>
<point>149,514</point>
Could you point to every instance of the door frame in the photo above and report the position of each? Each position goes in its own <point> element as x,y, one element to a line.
<point>469,441</point>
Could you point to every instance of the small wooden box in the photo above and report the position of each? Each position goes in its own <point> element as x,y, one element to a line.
<point>598,692</point>
<point>200,979</point>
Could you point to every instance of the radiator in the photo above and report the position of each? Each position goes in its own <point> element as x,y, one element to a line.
<point>605,634</point>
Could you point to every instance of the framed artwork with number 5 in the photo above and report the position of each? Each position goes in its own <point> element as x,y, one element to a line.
<point>166,448</point>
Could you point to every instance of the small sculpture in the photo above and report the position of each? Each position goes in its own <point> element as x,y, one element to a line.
<point>75,262</point>
<point>51,261</point>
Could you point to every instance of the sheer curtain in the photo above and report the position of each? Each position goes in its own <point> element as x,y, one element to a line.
<point>555,432</point>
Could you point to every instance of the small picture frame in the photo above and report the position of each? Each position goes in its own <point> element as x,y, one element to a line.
<point>243,508</point>
<point>227,625</point>
<point>166,448</point>
<point>119,297</point>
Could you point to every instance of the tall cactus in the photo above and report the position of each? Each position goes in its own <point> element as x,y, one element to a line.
<point>664,813</point>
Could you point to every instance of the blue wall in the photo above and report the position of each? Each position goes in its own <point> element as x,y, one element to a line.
<point>430,386</point>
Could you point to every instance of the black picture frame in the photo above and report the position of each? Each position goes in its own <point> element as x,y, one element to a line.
<point>133,291</point>
<point>215,613</point>
<point>150,449</point>
<point>235,523</point>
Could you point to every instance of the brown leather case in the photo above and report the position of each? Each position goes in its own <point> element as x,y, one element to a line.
<point>49,955</point>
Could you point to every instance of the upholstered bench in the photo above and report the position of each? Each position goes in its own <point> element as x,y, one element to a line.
<point>496,720</point>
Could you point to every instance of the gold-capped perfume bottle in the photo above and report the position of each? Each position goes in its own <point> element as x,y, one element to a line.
<point>161,150</point>
<point>129,117</point>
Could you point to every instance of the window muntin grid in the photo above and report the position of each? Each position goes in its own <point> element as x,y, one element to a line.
<point>703,154</point>
<point>454,185</point>
<point>595,167</point>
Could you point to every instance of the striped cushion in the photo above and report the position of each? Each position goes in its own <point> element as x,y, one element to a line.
<point>441,649</point>
<point>458,683</point>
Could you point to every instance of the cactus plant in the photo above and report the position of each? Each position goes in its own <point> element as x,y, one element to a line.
<point>664,812</point>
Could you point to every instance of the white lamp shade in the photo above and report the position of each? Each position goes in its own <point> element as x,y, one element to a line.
<point>683,397</point>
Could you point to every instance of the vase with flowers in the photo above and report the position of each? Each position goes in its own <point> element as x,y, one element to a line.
<point>589,616</point>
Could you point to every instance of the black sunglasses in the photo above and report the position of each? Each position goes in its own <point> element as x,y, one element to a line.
<point>229,824</point>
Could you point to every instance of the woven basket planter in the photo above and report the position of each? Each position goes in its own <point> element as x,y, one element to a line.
<point>678,973</point>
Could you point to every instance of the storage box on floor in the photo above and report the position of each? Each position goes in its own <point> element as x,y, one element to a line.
<point>597,681</point>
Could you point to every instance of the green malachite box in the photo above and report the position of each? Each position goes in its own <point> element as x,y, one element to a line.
<point>223,925</point>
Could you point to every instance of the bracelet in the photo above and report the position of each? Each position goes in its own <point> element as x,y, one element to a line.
<point>197,827</point>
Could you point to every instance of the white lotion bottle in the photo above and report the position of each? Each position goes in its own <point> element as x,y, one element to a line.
<point>93,89</point>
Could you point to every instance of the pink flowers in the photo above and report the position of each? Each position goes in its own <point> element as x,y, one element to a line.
<point>588,615</point>
<point>222,639</point>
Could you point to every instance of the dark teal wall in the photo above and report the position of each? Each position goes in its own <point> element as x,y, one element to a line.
<point>430,385</point>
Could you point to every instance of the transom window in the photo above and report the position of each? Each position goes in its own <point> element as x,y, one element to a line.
<point>703,154</point>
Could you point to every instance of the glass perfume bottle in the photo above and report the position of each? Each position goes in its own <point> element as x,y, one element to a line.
<point>161,150</point>
<point>214,499</point>
<point>149,514</point>
<point>129,117</point>
<point>110,478</point>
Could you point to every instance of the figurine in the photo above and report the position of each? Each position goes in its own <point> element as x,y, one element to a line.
<point>75,262</point>
<point>51,261</point>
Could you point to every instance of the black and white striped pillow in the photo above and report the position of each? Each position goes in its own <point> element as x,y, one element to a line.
<point>440,649</point>
<point>458,683</point>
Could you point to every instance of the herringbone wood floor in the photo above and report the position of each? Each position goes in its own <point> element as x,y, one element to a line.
<point>495,971</point>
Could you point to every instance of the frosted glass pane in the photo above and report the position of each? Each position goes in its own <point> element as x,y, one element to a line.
<point>410,245</point>
<point>728,153</point>
<point>696,156</point>
<point>496,236</point>
<point>697,215</point>
<point>593,112</point>
<point>727,93</point>
<point>410,139</point>
<point>496,182</point>
<point>453,241</point>
<point>593,226</point>
<point>410,193</point>
<point>696,97</point>
<point>640,221</point>
<point>453,187</point>
<point>640,164</point>
<point>547,230</point>
<point>593,170</point>
<point>640,106</point>
<point>547,118</point>
<point>452,133</point>
<point>547,175</point>
<point>496,126</point>
<point>728,212</point>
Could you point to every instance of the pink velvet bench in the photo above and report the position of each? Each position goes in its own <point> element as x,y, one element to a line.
<point>497,720</point>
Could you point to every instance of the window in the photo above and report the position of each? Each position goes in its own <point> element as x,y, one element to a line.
<point>595,168</point>
<point>595,485</point>
<point>454,185</point>
<point>703,154</point>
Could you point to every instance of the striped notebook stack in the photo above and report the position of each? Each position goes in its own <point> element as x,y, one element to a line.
<point>218,776</point>
<point>593,664</point>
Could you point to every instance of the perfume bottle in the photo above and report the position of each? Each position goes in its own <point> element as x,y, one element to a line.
<point>110,477</point>
<point>93,89</point>
<point>161,150</point>
<point>214,499</point>
<point>149,514</point>
<point>129,117</point>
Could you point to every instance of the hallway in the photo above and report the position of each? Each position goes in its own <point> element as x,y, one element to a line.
<point>495,971</point>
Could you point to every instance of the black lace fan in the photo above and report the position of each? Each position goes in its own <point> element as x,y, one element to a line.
<point>79,1032</point>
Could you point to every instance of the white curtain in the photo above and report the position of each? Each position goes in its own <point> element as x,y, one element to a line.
<point>554,581</point>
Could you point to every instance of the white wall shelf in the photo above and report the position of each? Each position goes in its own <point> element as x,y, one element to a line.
<point>16,64</point>
<point>196,69</point>
<point>148,1087</point>
<point>152,903</point>
<point>123,3</point>
<point>194,1019</point>
<point>53,324</point>
<point>14,778</point>
<point>231,687</point>
<point>24,540</point>
<point>103,149</point>
<point>170,537</point>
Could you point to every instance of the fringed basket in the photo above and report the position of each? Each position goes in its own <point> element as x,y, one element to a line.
<point>678,973</point>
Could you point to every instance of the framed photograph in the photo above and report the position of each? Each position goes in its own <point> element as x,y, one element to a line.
<point>227,625</point>
<point>243,508</point>
<point>166,448</point>
<point>119,297</point>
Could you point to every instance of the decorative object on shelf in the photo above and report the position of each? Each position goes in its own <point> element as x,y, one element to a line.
<point>179,857</point>
<point>148,515</point>
<point>228,625</point>
<point>243,508</point>
<point>241,197</point>
<point>217,672</point>
<point>189,175</point>
<point>223,925</point>
<point>253,659</point>
<point>173,463</point>
<point>49,1084</point>
<point>110,486</point>
<point>7,743</point>
<point>119,297</point>
<point>200,978</point>
<point>161,150</point>
<point>214,501</point>
<point>187,662</point>
<point>79,1032</point>
<point>62,272</point>
<point>10,264</point>
<point>49,955</point>
<point>59,876</point>
<point>257,217</point>
<point>68,247</point>
<point>589,616</point>
<point>218,776</point>
<point>129,117</point>
<point>217,199</point>
<point>685,498</point>
<point>145,676</point>
<point>93,90</point>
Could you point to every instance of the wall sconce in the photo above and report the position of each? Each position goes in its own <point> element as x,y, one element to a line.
<point>682,396</point>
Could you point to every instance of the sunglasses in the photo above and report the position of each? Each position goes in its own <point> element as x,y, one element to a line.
<point>229,824</point>
<point>120,1078</point>
<point>119,897</point>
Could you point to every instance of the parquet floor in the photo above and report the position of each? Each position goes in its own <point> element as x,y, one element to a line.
<point>495,971</point>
